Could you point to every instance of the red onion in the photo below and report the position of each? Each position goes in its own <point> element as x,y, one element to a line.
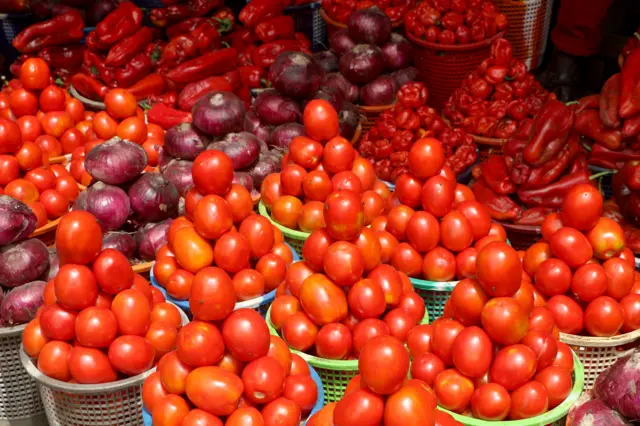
<point>219,113</point>
<point>370,26</point>
<point>340,42</point>
<point>284,134</point>
<point>184,141</point>
<point>120,241</point>
<point>23,262</point>
<point>273,108</point>
<point>381,91</point>
<point>349,119</point>
<point>150,238</point>
<point>21,304</point>
<point>179,173</point>
<point>267,164</point>
<point>598,413</point>
<point>349,91</point>
<point>253,125</point>
<point>54,265</point>
<point>618,386</point>
<point>153,197</point>
<point>81,201</point>
<point>115,161</point>
<point>333,96</point>
<point>405,76</point>
<point>327,61</point>
<point>295,74</point>
<point>362,64</point>
<point>397,52</point>
<point>17,221</point>
<point>244,179</point>
<point>109,204</point>
<point>242,148</point>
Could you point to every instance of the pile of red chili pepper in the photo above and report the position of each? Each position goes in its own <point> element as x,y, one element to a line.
<point>495,98</point>
<point>341,10</point>
<point>455,21</point>
<point>538,166</point>
<point>611,119</point>
<point>386,145</point>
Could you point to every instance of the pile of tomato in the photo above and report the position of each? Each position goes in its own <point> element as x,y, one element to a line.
<point>317,165</point>
<point>100,322</point>
<point>583,269</point>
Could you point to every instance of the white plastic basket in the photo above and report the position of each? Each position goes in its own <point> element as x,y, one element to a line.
<point>107,404</point>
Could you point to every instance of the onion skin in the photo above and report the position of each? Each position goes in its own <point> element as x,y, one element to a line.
<point>17,221</point>
<point>185,141</point>
<point>150,238</point>
<point>284,134</point>
<point>120,241</point>
<point>23,262</point>
<point>349,119</point>
<point>21,304</point>
<point>179,173</point>
<point>336,81</point>
<point>397,52</point>
<point>328,61</point>
<point>362,64</point>
<point>275,109</point>
<point>115,161</point>
<point>619,386</point>
<point>369,26</point>
<point>333,96</point>
<point>153,197</point>
<point>597,413</point>
<point>243,149</point>
<point>219,113</point>
<point>340,42</point>
<point>381,91</point>
<point>109,204</point>
<point>405,76</point>
<point>244,179</point>
<point>81,201</point>
<point>267,164</point>
<point>54,265</point>
<point>295,74</point>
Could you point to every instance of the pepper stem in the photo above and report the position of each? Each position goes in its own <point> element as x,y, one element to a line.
<point>585,146</point>
<point>601,174</point>
<point>572,103</point>
<point>637,35</point>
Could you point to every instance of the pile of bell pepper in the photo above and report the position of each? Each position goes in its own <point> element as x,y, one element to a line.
<point>611,119</point>
<point>341,10</point>
<point>177,11</point>
<point>386,145</point>
<point>538,165</point>
<point>455,21</point>
<point>496,97</point>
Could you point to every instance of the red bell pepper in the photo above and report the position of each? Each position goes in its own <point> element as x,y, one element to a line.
<point>496,175</point>
<point>534,216</point>
<point>588,124</point>
<point>169,15</point>
<point>89,87</point>
<point>610,101</point>
<point>135,70</point>
<point>631,127</point>
<point>552,126</point>
<point>251,76</point>
<point>167,117</point>
<point>63,56</point>
<point>234,79</point>
<point>129,47</point>
<point>609,159</point>
<point>60,30</point>
<point>151,85</point>
<point>501,207</point>
<point>588,102</point>
<point>547,173</point>
<point>184,27</point>
<point>170,99</point>
<point>266,54</point>
<point>202,7</point>
<point>216,63</point>
<point>194,91</point>
<point>99,69</point>
<point>120,23</point>
<point>413,95</point>
<point>258,10</point>
<point>278,28</point>
<point>630,86</point>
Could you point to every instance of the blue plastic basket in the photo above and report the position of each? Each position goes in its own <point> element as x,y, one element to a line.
<point>260,304</point>
<point>146,417</point>
<point>10,25</point>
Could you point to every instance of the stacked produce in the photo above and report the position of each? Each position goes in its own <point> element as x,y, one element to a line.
<point>497,97</point>
<point>99,321</point>
<point>381,393</point>
<point>181,11</point>
<point>455,21</point>
<point>386,145</point>
<point>632,44</point>
<point>341,11</point>
<point>611,120</point>
<point>584,270</point>
<point>373,62</point>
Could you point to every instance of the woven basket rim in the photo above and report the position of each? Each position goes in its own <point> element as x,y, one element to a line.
<point>288,232</point>
<point>12,331</point>
<point>433,285</point>
<point>454,47</point>
<point>376,108</point>
<point>599,342</point>
<point>547,418</point>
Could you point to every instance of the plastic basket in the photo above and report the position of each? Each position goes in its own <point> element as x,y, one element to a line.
<point>529,24</point>
<point>371,114</point>
<point>294,238</point>
<point>555,417</point>
<point>20,403</point>
<point>442,68</point>
<point>435,294</point>
<point>308,20</point>
<point>146,416</point>
<point>66,404</point>
<point>10,26</point>
<point>522,236</point>
<point>335,374</point>
<point>598,353</point>
<point>260,304</point>
<point>333,26</point>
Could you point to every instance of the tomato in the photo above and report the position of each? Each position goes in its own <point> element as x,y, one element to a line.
<point>367,330</point>
<point>360,407</point>
<point>490,401</point>
<point>29,156</point>
<point>564,358</point>
<point>153,391</point>
<point>9,169</point>
<point>260,234</point>
<point>426,157</point>
<point>163,337</point>
<point>291,178</point>
<point>551,223</point>
<point>571,246</point>
<point>630,305</point>
<point>543,345</point>
<point>413,304</point>
<point>200,344</point>
<point>305,152</point>
<point>199,417</point>
<point>10,136</point>
<point>29,127</point>
<point>321,123</point>
<point>212,297</point>
<point>513,366</point>
<point>445,332</point>
<point>56,123</point>
<point>467,300</point>
<point>426,367</point>
<point>620,277</point>
<point>53,360</point>
<point>567,314</point>
<point>302,390</point>
<point>34,74</point>
<point>589,282</point>
<point>72,139</point>
<point>408,190</point>
<point>437,196</point>
<point>398,221</point>
<point>22,190</point>
<point>338,155</point>
<point>42,178</point>
<point>245,416</point>
<point>271,190</point>
<point>173,372</point>
<point>419,339</point>
<point>90,366</point>
<point>132,129</point>
<point>376,356</point>
<point>296,274</point>
<point>120,103</point>
<point>279,350</point>
<point>133,312</point>
<point>131,355</point>
<point>96,327</point>
<point>52,98</point>
<point>399,322</point>
<point>388,244</point>
<point>315,248</point>
<point>557,382</point>
<point>78,238</point>
<point>553,277</point>
<point>322,300</point>
<point>248,284</point>
<point>411,405</point>
<point>246,335</point>
<point>113,271</point>
<point>263,380</point>
<point>603,317</point>
<point>541,319</point>
<point>76,287</point>
<point>499,269</point>
<point>273,268</point>
<point>299,331</point>
<point>529,400</point>
<point>75,109</point>
<point>33,340</point>
<point>299,366</point>
<point>478,217</point>
<point>54,203</point>
<point>281,412</point>
<point>453,390</point>
<point>212,163</point>
<point>389,280</point>
<point>582,207</point>
<point>535,256</point>
<point>472,352</point>
<point>370,248</point>
<point>23,102</point>
<point>212,217</point>
<point>606,238</point>
<point>170,411</point>
<point>232,252</point>
<point>334,341</point>
<point>343,215</point>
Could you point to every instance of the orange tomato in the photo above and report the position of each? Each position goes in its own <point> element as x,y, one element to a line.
<point>29,156</point>
<point>133,129</point>
<point>34,74</point>
<point>23,190</point>
<point>55,123</point>
<point>120,103</point>
<point>193,252</point>
<point>104,125</point>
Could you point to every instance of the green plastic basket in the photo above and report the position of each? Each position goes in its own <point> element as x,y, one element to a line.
<point>294,238</point>
<point>555,417</point>
<point>335,374</point>
<point>435,294</point>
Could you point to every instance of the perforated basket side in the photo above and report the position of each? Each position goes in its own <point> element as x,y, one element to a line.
<point>435,295</point>
<point>522,236</point>
<point>292,237</point>
<point>308,21</point>
<point>371,114</point>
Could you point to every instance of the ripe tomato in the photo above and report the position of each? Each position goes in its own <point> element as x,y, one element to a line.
<point>478,217</point>
<point>389,280</point>
<point>567,314</point>
<point>334,341</point>
<point>426,157</point>
<point>322,300</point>
<point>133,312</point>
<point>29,156</point>
<point>603,317</point>
<point>263,380</point>
<point>388,244</point>
<point>408,190</point>
<point>200,344</point>
<point>571,246</point>
<point>467,300</point>
<point>54,203</point>
<point>281,412</point>
<point>445,332</point>
<point>271,190</point>
<point>456,233</point>
<point>291,178</point>
<point>299,331</point>
<point>534,256</point>
<point>504,320</point>
<point>426,367</point>
<point>564,358</point>
<point>529,400</point>
<point>499,269</point>
<point>42,178</point>
<point>343,215</point>
<point>212,297</point>
<point>620,277</point>
<point>316,185</point>
<point>153,391</point>
<point>321,122</point>
<point>311,216</point>
<point>244,416</point>
<point>34,74</point>
<point>543,345</point>
<point>374,361</point>
<point>422,231</point>
<point>411,405</point>
<point>78,238</point>
<point>413,304</point>
<point>438,194</point>
<point>490,401</point>
<point>541,319</point>
<point>370,248</point>
<point>279,350</point>
<point>23,102</point>
<point>246,335</point>
<point>513,366</point>
<point>453,390</point>
<point>398,221</point>
<point>287,210</point>
<point>131,355</point>
<point>248,284</point>
<point>302,390</point>
<point>113,271</point>
<point>198,417</point>
<point>170,411</point>
<point>525,297</point>
<point>29,127</point>
<point>406,259</point>
<point>212,217</point>
<point>212,163</point>
<point>76,287</point>
<point>232,252</point>
<point>57,322</point>
<point>419,339</point>
<point>52,98</point>
<point>10,136</point>
<point>132,129</point>
<point>360,407</point>
<point>630,305</point>
<point>557,382</point>
<point>273,269</point>
<point>90,366</point>
<point>373,206</point>
<point>283,307</point>
<point>56,123</point>
<point>606,238</point>
<point>299,366</point>
<point>75,109</point>
<point>589,281</point>
<point>582,207</point>
<point>472,352</point>
<point>553,277</point>
<point>9,169</point>
<point>120,103</point>
<point>33,340</point>
<point>163,337</point>
<point>72,139</point>
<point>53,360</point>
<point>173,372</point>
<point>305,152</point>
<point>96,327</point>
<point>399,322</point>
<point>338,155</point>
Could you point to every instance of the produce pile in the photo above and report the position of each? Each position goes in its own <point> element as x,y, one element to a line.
<point>497,97</point>
<point>455,21</point>
<point>341,10</point>
<point>386,145</point>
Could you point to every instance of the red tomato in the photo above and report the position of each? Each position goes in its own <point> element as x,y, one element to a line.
<point>456,233</point>
<point>212,297</point>
<point>248,284</point>
<point>399,322</point>
<point>120,103</point>
<point>291,178</point>
<point>281,412</point>
<point>34,74</point>
<point>557,382</point>
<point>620,277</point>
<point>91,366</point>
<point>57,322</point>
<point>322,300</point>
<point>406,259</point>
<point>445,332</point>
<point>131,355</point>
<point>200,417</point>
<point>490,402</point>
<point>472,352</point>
<point>42,178</point>
<point>513,366</point>
<point>214,390</point>
<point>426,367</point>
<point>606,238</point>
<point>398,221</point>
<point>567,314</point>
<point>212,163</point>
<point>338,155</point>
<point>343,263</point>
<point>630,305</point>
<point>529,400</point>
<point>343,215</point>
<point>543,345</point>
<point>582,207</point>
<point>571,246</point>
<point>200,344</point>
<point>53,360</point>
<point>76,287</point>
<point>173,372</point>
<point>467,300</point>
<point>423,231</point>
<point>9,169</point>
<point>260,234</point>
<point>246,335</point>
<point>499,269</point>
<point>273,269</point>
<point>603,317</point>
<point>232,252</point>
<point>410,405</point>
<point>113,271</point>
<point>360,407</point>
<point>553,277</point>
<point>438,194</point>
<point>33,340</point>
<point>367,330</point>
<point>299,366</point>
<point>412,304</point>
<point>374,361</point>
<point>10,136</point>
<point>302,390</point>
<point>373,205</point>
<point>153,391</point>
<point>78,238</point>
<point>170,411</point>
<point>409,190</point>
<point>589,282</point>
<point>282,308</point>
<point>564,358</point>
<point>504,320</point>
<point>23,102</point>
<point>334,341</point>
<point>212,217</point>
<point>163,337</point>
<point>426,157</point>
<point>279,350</point>
<point>263,380</point>
<point>75,109</point>
<point>541,319</point>
<point>389,280</point>
<point>370,248</point>
<point>133,312</point>
<point>299,331</point>
<point>96,327</point>
<point>68,187</point>
<point>245,416</point>
<point>453,390</point>
<point>419,339</point>
<point>316,185</point>
<point>534,256</point>
<point>30,127</point>
<point>52,98</point>
<point>478,217</point>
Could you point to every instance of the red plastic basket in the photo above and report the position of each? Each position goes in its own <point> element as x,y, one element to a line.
<point>442,68</point>
<point>370,114</point>
<point>522,237</point>
<point>529,22</point>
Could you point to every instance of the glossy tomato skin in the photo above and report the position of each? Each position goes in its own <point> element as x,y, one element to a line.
<point>231,252</point>
<point>499,269</point>
<point>133,311</point>
<point>91,366</point>
<point>384,364</point>
<point>214,390</point>
<point>302,390</point>
<point>504,320</point>
<point>389,280</point>
<point>198,417</point>
<point>557,382</point>
<point>564,357</point>
<point>426,157</point>
<point>343,215</point>
<point>553,277</point>
<point>529,400</point>
<point>315,248</point>
<point>78,238</point>
<point>490,401</point>
<point>467,300</point>
<point>630,305</point>
<point>212,163</point>
<point>76,287</point>
<point>456,233</point>
<point>263,380</point>
<point>322,300</point>
<point>246,335</point>
<point>96,327</point>
<point>57,322</point>
<point>366,330</point>
<point>571,246</point>
<point>603,317</point>
<point>453,390</point>
<point>343,263</point>
<point>200,344</point>
<point>445,332</point>
<point>260,234</point>
<point>173,372</point>
<point>360,407</point>
<point>620,277</point>
<point>244,416</point>
<point>153,391</point>
<point>582,207</point>
<point>411,405</point>
<point>419,340</point>
<point>438,194</point>
<point>334,341</point>
<point>568,315</point>
<point>131,355</point>
<point>366,299</point>
<point>212,297</point>
<point>426,367</point>
<point>299,331</point>
<point>423,231</point>
<point>53,360</point>
<point>589,281</point>
<point>513,366</point>
<point>281,412</point>
<point>478,217</point>
<point>170,411</point>
<point>543,345</point>
<point>606,238</point>
<point>472,352</point>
